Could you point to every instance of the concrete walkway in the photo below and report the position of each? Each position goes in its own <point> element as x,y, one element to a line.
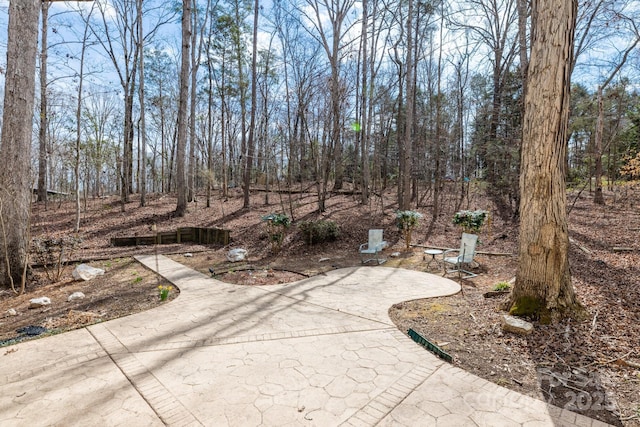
<point>319,352</point>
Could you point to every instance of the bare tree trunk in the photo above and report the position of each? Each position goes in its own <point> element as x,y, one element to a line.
<point>364,126</point>
<point>195,64</point>
<point>543,281</point>
<point>598,198</point>
<point>15,150</point>
<point>437,182</point>
<point>76,165</point>
<point>142,174</point>
<point>42,132</point>
<point>209,122</point>
<point>406,174</point>
<point>254,105</point>
<point>127,149</point>
<point>181,184</point>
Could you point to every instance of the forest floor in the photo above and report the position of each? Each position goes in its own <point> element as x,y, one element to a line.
<point>589,365</point>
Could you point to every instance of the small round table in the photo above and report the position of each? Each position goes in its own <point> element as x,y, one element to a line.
<point>433,253</point>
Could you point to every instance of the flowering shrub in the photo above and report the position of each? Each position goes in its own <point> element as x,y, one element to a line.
<point>406,222</point>
<point>470,221</point>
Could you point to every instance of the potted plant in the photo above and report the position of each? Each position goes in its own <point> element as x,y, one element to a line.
<point>406,222</point>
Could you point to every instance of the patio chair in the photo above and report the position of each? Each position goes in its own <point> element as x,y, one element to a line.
<point>373,249</point>
<point>465,256</point>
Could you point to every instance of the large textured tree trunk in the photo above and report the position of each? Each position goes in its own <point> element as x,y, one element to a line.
<point>543,282</point>
<point>15,149</point>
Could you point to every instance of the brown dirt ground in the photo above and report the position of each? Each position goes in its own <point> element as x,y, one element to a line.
<point>590,365</point>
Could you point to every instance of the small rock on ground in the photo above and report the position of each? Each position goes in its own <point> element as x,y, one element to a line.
<point>39,302</point>
<point>516,325</point>
<point>74,296</point>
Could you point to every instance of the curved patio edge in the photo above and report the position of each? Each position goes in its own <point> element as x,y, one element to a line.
<point>318,352</point>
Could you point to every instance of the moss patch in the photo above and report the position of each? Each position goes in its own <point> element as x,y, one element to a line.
<point>530,307</point>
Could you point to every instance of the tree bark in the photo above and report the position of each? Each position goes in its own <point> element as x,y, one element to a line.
<point>543,286</point>
<point>254,106</point>
<point>181,182</point>
<point>364,119</point>
<point>15,150</point>
<point>598,197</point>
<point>142,174</point>
<point>76,165</point>
<point>42,132</point>
<point>407,153</point>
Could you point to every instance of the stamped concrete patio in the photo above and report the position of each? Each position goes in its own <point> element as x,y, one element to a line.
<point>319,352</point>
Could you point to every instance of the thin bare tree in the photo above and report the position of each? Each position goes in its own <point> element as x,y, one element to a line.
<point>181,179</point>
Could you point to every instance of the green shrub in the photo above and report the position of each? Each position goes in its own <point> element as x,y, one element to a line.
<point>501,286</point>
<point>470,221</point>
<point>276,226</point>
<point>319,231</point>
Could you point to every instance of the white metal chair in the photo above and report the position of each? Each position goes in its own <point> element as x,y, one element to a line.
<point>465,256</point>
<point>372,250</point>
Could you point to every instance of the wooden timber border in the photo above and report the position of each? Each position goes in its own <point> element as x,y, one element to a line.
<point>182,235</point>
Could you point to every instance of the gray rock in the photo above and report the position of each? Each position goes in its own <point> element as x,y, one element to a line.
<point>324,259</point>
<point>12,312</point>
<point>39,302</point>
<point>188,255</point>
<point>235,255</point>
<point>86,272</point>
<point>74,296</point>
<point>395,254</point>
<point>516,325</point>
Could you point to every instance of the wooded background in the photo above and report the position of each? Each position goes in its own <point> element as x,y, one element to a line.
<point>371,93</point>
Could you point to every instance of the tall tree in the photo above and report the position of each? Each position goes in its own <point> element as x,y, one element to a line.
<point>598,198</point>
<point>142,128</point>
<point>406,144</point>
<point>332,37</point>
<point>15,148</point>
<point>493,24</point>
<point>248,164</point>
<point>181,182</point>
<point>122,47</point>
<point>197,42</point>
<point>42,132</point>
<point>543,282</point>
<point>78,141</point>
<point>159,91</point>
